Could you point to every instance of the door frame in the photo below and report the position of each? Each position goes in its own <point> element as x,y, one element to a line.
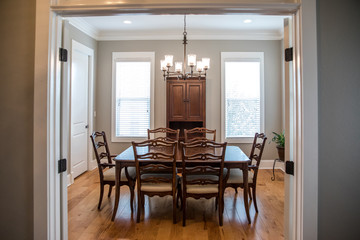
<point>66,106</point>
<point>46,105</point>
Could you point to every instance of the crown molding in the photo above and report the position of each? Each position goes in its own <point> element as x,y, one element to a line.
<point>85,27</point>
<point>117,36</point>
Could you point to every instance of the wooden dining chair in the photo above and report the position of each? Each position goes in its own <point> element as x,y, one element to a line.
<point>202,173</point>
<point>107,168</point>
<point>156,171</point>
<point>199,134</point>
<point>235,179</point>
<point>164,134</point>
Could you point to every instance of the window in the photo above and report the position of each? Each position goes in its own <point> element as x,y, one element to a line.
<point>132,104</point>
<point>242,100</point>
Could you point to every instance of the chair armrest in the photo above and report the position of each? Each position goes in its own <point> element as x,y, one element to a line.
<point>253,167</point>
<point>109,165</point>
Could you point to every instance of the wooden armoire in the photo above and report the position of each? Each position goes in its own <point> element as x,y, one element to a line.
<point>185,103</point>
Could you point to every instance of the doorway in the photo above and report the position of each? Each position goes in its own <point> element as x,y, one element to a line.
<point>299,132</point>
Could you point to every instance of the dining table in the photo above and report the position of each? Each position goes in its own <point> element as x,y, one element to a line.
<point>234,158</point>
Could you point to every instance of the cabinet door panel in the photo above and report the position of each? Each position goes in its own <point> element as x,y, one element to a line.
<point>177,104</point>
<point>195,104</point>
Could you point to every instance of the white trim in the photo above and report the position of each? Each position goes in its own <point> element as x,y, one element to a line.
<point>118,56</point>
<point>84,26</point>
<point>268,164</point>
<point>90,53</point>
<point>44,51</point>
<point>119,36</point>
<point>241,56</point>
<point>70,179</point>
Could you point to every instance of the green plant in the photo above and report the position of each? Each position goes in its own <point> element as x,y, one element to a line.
<point>279,139</point>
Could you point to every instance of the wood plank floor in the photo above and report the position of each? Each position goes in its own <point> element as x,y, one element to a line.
<point>86,222</point>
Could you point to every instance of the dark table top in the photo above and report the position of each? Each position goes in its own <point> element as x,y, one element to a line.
<point>233,155</point>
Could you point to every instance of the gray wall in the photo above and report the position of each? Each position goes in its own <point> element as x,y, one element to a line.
<point>273,73</point>
<point>17,27</point>
<point>339,118</point>
<point>72,33</point>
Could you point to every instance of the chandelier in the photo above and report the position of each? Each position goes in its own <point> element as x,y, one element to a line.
<point>200,67</point>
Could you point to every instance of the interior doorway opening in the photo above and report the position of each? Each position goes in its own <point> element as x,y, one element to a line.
<point>214,124</point>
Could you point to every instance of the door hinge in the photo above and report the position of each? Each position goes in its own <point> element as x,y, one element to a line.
<point>62,165</point>
<point>288,54</point>
<point>289,167</point>
<point>63,55</point>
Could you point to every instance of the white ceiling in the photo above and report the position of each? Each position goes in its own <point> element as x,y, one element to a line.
<point>161,27</point>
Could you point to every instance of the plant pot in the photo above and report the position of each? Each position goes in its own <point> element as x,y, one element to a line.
<point>281,152</point>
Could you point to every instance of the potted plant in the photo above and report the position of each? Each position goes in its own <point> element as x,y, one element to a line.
<point>279,139</point>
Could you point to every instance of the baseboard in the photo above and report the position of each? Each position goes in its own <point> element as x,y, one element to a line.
<point>268,164</point>
<point>70,179</point>
<point>92,164</point>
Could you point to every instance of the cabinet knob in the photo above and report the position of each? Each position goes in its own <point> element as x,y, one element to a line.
<point>186,100</point>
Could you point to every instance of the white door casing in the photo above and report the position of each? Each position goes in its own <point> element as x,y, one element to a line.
<point>45,82</point>
<point>79,105</point>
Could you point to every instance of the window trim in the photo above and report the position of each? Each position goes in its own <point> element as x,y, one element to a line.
<point>131,56</point>
<point>241,56</point>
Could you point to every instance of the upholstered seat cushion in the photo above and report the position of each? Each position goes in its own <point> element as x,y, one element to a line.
<point>202,189</point>
<point>236,176</point>
<point>157,187</point>
<point>109,175</point>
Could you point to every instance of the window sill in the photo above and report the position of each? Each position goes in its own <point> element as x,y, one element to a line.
<point>128,139</point>
<point>239,140</point>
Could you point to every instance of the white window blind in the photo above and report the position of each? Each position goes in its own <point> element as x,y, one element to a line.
<point>132,101</point>
<point>242,97</point>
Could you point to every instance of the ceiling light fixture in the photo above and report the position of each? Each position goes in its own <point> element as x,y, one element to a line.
<point>180,67</point>
<point>247,21</point>
<point>127,22</point>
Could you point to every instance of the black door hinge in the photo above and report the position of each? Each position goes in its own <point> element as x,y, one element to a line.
<point>288,54</point>
<point>62,165</point>
<point>63,54</point>
<point>289,167</point>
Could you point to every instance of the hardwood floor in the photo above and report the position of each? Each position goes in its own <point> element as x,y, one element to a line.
<point>86,222</point>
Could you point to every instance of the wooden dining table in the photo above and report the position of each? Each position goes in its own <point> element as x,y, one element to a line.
<point>234,158</point>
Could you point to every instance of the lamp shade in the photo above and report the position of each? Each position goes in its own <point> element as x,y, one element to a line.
<point>199,66</point>
<point>191,60</point>
<point>169,60</point>
<point>206,63</point>
<point>178,67</point>
<point>163,65</point>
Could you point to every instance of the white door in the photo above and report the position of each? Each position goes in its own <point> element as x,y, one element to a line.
<point>79,102</point>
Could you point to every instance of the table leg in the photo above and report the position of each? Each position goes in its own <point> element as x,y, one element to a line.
<point>273,177</point>
<point>117,188</point>
<point>246,189</point>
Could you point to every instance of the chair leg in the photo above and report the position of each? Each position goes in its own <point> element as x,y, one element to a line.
<point>216,203</point>
<point>250,195</point>
<point>221,203</point>
<point>235,188</point>
<point>110,188</point>
<point>139,200</point>
<point>174,207</point>
<point>254,196</point>
<point>101,195</point>
<point>131,187</point>
<point>179,197</point>
<point>183,205</point>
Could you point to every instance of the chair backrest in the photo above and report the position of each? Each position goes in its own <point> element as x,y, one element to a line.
<point>164,134</point>
<point>201,161</point>
<point>155,156</point>
<point>257,148</point>
<point>199,134</point>
<point>101,150</point>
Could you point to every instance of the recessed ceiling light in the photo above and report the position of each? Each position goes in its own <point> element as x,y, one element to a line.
<point>247,21</point>
<point>127,22</point>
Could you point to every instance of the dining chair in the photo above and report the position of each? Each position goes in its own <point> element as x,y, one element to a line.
<point>199,134</point>
<point>203,173</point>
<point>156,171</point>
<point>235,179</point>
<point>106,168</point>
<point>164,134</point>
